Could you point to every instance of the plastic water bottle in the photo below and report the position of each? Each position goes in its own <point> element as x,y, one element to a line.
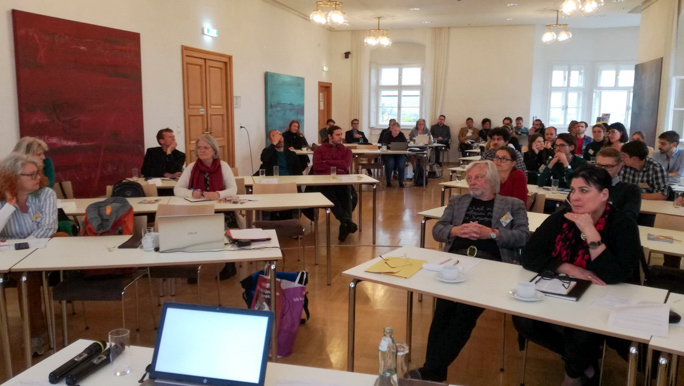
<point>388,359</point>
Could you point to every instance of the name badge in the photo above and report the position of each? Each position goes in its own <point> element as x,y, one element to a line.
<point>591,151</point>
<point>35,216</point>
<point>470,132</point>
<point>541,168</point>
<point>507,218</point>
<point>643,185</point>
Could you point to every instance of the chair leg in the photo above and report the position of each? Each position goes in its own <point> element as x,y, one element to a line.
<point>137,322</point>
<point>123,309</point>
<point>603,360</point>
<point>522,377</point>
<point>65,338</point>
<point>299,248</point>
<point>73,308</point>
<point>85,317</point>
<point>161,291</point>
<point>149,280</point>
<point>503,343</point>
<point>173,287</point>
<point>218,285</point>
<point>199,293</point>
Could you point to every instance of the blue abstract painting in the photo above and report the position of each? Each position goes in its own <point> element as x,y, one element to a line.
<point>284,101</point>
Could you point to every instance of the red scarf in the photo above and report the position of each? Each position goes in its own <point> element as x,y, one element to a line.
<point>215,176</point>
<point>570,247</point>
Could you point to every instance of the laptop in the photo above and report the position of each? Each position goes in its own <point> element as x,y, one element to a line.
<point>191,233</point>
<point>210,345</point>
<point>422,140</point>
<point>399,146</point>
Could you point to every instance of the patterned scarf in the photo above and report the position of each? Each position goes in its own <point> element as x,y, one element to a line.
<point>570,247</point>
<point>200,172</point>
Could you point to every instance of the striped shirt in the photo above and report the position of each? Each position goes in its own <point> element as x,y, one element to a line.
<point>40,221</point>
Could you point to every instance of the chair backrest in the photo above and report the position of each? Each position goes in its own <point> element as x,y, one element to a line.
<point>181,210</point>
<point>366,147</point>
<point>530,200</point>
<point>650,151</point>
<point>539,202</point>
<point>524,149</point>
<point>240,182</point>
<point>274,188</point>
<point>108,192</point>
<point>667,221</point>
<point>235,171</point>
<point>64,190</point>
<point>150,190</point>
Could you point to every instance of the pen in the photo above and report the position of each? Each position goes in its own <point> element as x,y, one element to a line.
<point>445,261</point>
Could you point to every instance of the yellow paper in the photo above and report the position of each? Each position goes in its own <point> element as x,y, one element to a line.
<point>397,266</point>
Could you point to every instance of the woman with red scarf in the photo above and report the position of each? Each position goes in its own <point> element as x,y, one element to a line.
<point>593,241</point>
<point>208,177</point>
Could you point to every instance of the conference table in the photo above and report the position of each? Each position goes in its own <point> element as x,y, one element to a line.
<point>469,159</point>
<point>462,187</point>
<point>488,284</point>
<point>328,180</point>
<point>141,205</point>
<point>456,170</point>
<point>81,253</point>
<point>672,347</point>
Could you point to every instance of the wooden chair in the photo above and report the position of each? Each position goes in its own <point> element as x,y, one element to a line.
<point>371,162</point>
<point>667,221</point>
<point>535,202</point>
<point>64,190</point>
<point>235,171</point>
<point>149,189</point>
<point>524,149</point>
<point>241,188</point>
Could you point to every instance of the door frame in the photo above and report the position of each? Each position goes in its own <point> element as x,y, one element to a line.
<point>328,102</point>
<point>230,127</point>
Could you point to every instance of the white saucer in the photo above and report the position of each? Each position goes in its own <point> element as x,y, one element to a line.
<point>439,277</point>
<point>537,296</point>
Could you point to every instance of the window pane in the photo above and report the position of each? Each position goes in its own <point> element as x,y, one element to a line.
<point>389,102</point>
<point>556,116</point>
<point>573,114</point>
<point>389,76</point>
<point>576,77</point>
<point>626,78</point>
<point>557,99</point>
<point>410,98</point>
<point>558,78</point>
<point>574,100</point>
<point>410,76</point>
<point>607,77</point>
<point>409,115</point>
<point>615,104</point>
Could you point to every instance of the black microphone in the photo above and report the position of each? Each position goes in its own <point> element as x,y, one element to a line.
<point>88,367</point>
<point>89,352</point>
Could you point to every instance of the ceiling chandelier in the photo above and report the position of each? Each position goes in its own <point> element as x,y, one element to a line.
<point>587,6</point>
<point>378,37</point>
<point>332,18</point>
<point>550,36</point>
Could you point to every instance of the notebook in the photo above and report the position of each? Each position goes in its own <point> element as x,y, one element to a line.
<point>209,345</point>
<point>191,233</point>
<point>576,288</point>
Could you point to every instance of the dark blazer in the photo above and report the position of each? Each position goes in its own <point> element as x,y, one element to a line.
<point>269,159</point>
<point>349,137</point>
<point>157,162</point>
<point>512,236</point>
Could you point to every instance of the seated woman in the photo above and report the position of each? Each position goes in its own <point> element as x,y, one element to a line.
<point>598,132</point>
<point>513,181</point>
<point>533,157</point>
<point>592,241</point>
<point>617,135</point>
<point>35,147</point>
<point>28,209</point>
<point>295,140</point>
<point>420,130</point>
<point>394,161</point>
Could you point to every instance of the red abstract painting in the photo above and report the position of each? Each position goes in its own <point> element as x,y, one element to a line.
<point>80,90</point>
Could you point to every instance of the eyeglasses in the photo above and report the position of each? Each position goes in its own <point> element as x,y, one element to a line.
<point>563,278</point>
<point>606,166</point>
<point>561,145</point>
<point>34,175</point>
<point>613,131</point>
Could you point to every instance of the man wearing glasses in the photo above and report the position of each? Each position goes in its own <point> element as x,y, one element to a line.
<point>481,224</point>
<point>623,195</point>
<point>563,163</point>
<point>499,137</point>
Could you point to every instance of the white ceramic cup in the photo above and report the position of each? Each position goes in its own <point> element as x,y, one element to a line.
<point>526,289</point>
<point>451,272</point>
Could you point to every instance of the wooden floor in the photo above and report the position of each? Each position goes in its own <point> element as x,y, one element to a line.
<point>322,342</point>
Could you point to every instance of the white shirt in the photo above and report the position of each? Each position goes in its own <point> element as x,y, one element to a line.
<point>230,187</point>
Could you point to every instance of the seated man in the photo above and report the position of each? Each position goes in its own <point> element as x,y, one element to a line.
<point>670,156</point>
<point>520,129</point>
<point>442,135</point>
<point>355,135</point>
<point>643,171</point>
<point>499,137</point>
<point>482,224</point>
<point>277,155</point>
<point>387,130</point>
<point>334,154</point>
<point>164,161</point>
<point>394,161</point>
<point>550,134</point>
<point>563,163</point>
<point>623,195</point>
<point>323,133</point>
<point>467,136</point>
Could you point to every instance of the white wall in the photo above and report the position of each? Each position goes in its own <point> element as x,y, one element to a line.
<point>259,36</point>
<point>588,47</point>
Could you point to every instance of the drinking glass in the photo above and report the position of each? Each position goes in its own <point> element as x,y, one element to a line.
<point>276,171</point>
<point>554,185</point>
<point>148,239</point>
<point>678,198</point>
<point>402,361</point>
<point>120,353</point>
<point>134,173</point>
<point>262,173</point>
<point>333,171</point>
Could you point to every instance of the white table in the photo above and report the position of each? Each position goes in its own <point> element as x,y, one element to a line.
<point>277,202</point>
<point>142,356</point>
<point>462,186</point>
<point>457,169</point>
<point>673,345</point>
<point>488,286</point>
<point>77,253</point>
<point>660,207</point>
<point>467,160</point>
<point>166,183</point>
<point>8,259</point>
<point>327,180</point>
<point>79,205</point>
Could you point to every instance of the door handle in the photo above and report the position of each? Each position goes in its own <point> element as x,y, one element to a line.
<point>207,131</point>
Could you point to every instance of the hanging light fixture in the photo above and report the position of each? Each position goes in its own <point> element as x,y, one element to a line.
<point>378,37</point>
<point>333,18</point>
<point>588,6</point>
<point>550,36</point>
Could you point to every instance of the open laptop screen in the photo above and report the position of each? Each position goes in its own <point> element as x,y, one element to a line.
<point>212,345</point>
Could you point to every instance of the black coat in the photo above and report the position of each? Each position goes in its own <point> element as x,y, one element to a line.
<point>269,159</point>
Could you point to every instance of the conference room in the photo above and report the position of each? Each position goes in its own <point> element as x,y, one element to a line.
<point>163,163</point>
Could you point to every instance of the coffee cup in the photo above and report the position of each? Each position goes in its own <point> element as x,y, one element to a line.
<point>526,289</point>
<point>451,272</point>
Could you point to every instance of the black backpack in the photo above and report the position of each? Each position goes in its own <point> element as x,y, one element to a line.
<point>125,188</point>
<point>419,175</point>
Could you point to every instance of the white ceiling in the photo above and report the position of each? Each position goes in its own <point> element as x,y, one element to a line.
<point>362,14</point>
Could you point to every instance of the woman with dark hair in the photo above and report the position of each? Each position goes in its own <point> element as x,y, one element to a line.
<point>591,241</point>
<point>295,140</point>
<point>598,132</point>
<point>513,182</point>
<point>617,135</point>
<point>486,125</point>
<point>533,157</point>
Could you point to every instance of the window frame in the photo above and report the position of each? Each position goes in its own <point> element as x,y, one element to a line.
<point>597,89</point>
<point>379,88</point>
<point>567,89</point>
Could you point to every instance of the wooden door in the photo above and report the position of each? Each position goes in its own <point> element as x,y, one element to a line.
<point>324,103</point>
<point>208,101</point>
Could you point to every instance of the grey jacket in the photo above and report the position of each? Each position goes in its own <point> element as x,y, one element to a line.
<point>512,236</point>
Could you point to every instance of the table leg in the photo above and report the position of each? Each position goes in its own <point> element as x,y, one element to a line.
<point>4,329</point>
<point>315,232</point>
<point>352,324</point>
<point>425,172</point>
<point>443,190</point>
<point>250,218</point>
<point>662,370</point>
<point>674,364</point>
<point>409,322</point>
<point>327,242</point>
<point>632,364</point>
<point>360,194</point>
<point>423,226</point>
<point>47,301</point>
<point>274,334</point>
<point>375,209</point>
<point>25,317</point>
<point>451,175</point>
<point>648,369</point>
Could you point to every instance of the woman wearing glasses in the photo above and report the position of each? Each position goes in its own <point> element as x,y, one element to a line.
<point>591,241</point>
<point>28,209</point>
<point>563,163</point>
<point>513,181</point>
<point>617,135</point>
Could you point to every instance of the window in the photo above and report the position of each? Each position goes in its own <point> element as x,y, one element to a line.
<point>567,85</point>
<point>676,106</point>
<point>399,94</point>
<point>613,93</point>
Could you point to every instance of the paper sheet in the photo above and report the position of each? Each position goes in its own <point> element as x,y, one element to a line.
<point>67,206</point>
<point>155,181</point>
<point>609,302</point>
<point>268,180</point>
<point>554,286</point>
<point>344,178</point>
<point>397,266</point>
<point>646,319</point>
<point>248,234</point>
<point>304,383</point>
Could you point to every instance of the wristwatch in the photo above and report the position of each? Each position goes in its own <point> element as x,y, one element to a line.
<point>492,235</point>
<point>595,244</point>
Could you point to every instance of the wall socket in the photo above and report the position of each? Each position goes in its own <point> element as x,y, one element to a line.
<point>237,101</point>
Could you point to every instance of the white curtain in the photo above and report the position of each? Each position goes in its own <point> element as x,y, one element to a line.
<point>440,48</point>
<point>357,54</point>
